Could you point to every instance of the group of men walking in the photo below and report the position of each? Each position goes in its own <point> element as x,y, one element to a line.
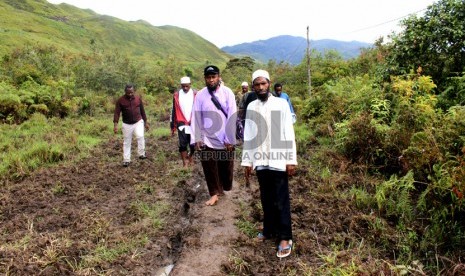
<point>205,122</point>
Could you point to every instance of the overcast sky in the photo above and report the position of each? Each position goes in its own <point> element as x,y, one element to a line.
<point>227,23</point>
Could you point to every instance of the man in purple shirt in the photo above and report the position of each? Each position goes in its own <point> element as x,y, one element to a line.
<point>213,133</point>
<point>134,121</point>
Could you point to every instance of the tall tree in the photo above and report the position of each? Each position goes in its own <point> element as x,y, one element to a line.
<point>434,43</point>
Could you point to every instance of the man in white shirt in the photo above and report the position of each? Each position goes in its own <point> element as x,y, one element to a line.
<point>181,115</point>
<point>270,149</point>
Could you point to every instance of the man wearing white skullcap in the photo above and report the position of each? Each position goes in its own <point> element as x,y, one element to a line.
<point>270,149</point>
<point>260,73</point>
<point>244,90</point>
<point>181,115</point>
<point>185,80</point>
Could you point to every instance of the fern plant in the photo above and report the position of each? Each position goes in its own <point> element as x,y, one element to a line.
<point>394,197</point>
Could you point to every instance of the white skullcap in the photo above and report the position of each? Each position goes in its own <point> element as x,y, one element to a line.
<point>260,73</point>
<point>244,84</point>
<point>185,80</point>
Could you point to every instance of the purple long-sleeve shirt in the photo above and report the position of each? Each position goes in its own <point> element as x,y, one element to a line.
<point>209,124</point>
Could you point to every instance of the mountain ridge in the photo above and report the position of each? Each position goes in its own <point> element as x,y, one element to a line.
<point>292,49</point>
<point>29,22</point>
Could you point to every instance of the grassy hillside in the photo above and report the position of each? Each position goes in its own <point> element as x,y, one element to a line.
<point>76,30</point>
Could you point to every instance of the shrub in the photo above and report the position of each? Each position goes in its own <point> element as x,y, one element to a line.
<point>9,105</point>
<point>359,139</point>
<point>41,108</point>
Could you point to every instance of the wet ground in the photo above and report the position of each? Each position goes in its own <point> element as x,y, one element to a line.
<point>95,217</point>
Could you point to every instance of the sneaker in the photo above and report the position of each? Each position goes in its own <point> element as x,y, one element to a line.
<point>125,164</point>
<point>142,157</point>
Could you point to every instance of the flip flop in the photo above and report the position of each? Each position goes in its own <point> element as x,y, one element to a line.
<point>281,249</point>
<point>261,237</point>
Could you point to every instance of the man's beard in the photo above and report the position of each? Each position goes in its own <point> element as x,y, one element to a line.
<point>213,87</point>
<point>263,96</point>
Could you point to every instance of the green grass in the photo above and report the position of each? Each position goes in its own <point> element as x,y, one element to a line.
<point>151,212</point>
<point>144,188</point>
<point>302,133</point>
<point>160,132</point>
<point>106,252</point>
<point>244,224</point>
<point>362,198</point>
<point>42,141</point>
<point>88,141</point>
<point>58,188</point>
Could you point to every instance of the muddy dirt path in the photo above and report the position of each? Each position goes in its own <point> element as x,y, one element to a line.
<point>210,248</point>
<point>204,254</point>
<point>95,217</point>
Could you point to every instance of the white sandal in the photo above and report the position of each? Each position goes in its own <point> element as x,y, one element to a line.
<point>288,248</point>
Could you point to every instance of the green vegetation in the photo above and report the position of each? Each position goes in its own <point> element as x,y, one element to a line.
<point>391,120</point>
<point>244,225</point>
<point>37,22</point>
<point>42,141</point>
<point>149,212</point>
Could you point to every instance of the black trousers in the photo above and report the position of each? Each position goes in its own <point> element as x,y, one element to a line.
<point>218,168</point>
<point>274,194</point>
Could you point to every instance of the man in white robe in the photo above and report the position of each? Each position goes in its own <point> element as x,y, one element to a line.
<point>270,149</point>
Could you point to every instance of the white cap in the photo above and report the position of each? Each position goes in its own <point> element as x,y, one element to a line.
<point>260,73</point>
<point>245,84</point>
<point>185,80</point>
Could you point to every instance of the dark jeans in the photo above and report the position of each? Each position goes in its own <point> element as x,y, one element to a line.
<point>218,167</point>
<point>274,194</point>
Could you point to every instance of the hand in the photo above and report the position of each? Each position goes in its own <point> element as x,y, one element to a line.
<point>146,126</point>
<point>229,147</point>
<point>247,172</point>
<point>115,129</point>
<point>172,132</point>
<point>199,145</point>
<point>290,169</point>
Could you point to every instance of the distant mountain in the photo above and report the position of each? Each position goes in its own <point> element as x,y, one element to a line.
<point>31,22</point>
<point>292,49</point>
